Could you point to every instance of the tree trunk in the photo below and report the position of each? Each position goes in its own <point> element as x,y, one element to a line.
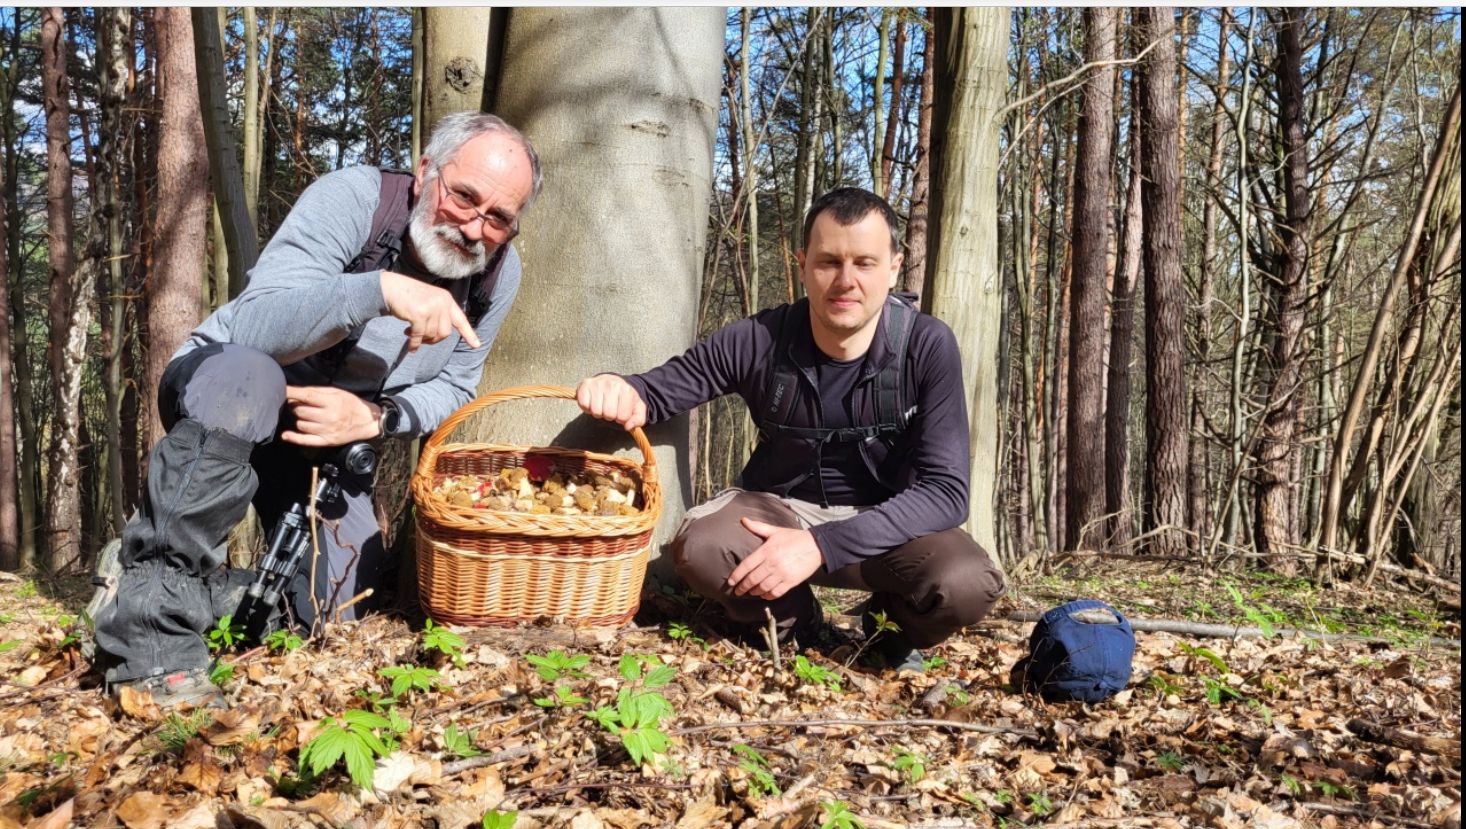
<point>68,304</point>
<point>21,413</point>
<point>1276,529</point>
<point>177,275</point>
<point>222,161</point>
<point>878,183</point>
<point>1165,296</point>
<point>250,126</point>
<point>898,80</point>
<point>913,272</point>
<point>9,450</point>
<point>965,280</point>
<point>115,48</point>
<point>1085,500</point>
<point>456,46</point>
<point>750,165</point>
<point>1122,327</point>
<point>600,121</point>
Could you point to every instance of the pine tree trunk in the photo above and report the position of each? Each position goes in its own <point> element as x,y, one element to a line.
<point>1165,295</point>
<point>115,47</point>
<point>177,274</point>
<point>913,272</point>
<point>9,450</point>
<point>966,288</point>
<point>1122,327</point>
<point>898,82</point>
<point>1085,499</point>
<point>1275,529</point>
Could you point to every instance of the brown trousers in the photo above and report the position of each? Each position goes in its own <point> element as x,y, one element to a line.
<point>931,586</point>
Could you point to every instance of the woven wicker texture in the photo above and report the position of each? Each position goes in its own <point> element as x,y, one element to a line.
<point>488,567</point>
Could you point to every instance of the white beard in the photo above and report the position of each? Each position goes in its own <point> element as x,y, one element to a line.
<point>434,247</point>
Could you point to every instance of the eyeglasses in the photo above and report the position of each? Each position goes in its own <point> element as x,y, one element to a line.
<point>496,222</point>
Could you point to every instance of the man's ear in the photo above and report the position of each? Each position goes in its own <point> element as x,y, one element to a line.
<point>799,257</point>
<point>895,271</point>
<point>420,175</point>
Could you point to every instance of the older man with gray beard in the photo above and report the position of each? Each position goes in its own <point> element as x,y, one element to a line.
<point>368,316</point>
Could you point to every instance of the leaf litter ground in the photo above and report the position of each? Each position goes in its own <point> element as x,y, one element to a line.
<point>1260,731</point>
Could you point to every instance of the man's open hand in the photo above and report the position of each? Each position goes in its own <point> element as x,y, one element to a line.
<point>609,397</point>
<point>431,313</point>
<point>786,559</point>
<point>328,416</point>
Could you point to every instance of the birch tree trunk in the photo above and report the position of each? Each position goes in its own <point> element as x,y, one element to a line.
<point>69,297</point>
<point>251,117</point>
<point>222,161</point>
<point>1165,295</point>
<point>966,284</point>
<point>177,275</point>
<point>622,301</point>
<point>1085,500</point>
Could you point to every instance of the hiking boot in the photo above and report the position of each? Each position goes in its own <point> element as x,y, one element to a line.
<point>190,688</point>
<point>109,571</point>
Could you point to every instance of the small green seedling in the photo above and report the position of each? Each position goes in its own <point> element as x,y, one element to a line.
<point>1170,761</point>
<point>226,633</point>
<point>557,665</point>
<point>283,641</point>
<point>458,744</point>
<point>494,819</point>
<point>444,641</point>
<point>678,632</point>
<point>761,782</point>
<point>910,764</point>
<point>1039,804</point>
<point>356,738</point>
<point>816,674</point>
<point>839,816</point>
<point>411,678</point>
<point>636,719</point>
<point>564,697</point>
<point>931,663</point>
<point>177,729</point>
<point>221,673</point>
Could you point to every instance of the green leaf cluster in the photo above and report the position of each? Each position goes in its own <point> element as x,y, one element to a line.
<point>494,819</point>
<point>226,633</point>
<point>839,816</point>
<point>283,640</point>
<point>357,737</point>
<point>636,718</point>
<point>444,641</point>
<point>557,665</point>
<point>460,744</point>
<point>816,674</point>
<point>910,764</point>
<point>411,678</point>
<point>761,782</point>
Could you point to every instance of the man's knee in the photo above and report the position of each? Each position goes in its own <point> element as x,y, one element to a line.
<point>966,577</point>
<point>709,547</point>
<point>229,387</point>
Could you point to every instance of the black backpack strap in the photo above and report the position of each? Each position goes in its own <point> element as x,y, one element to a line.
<point>891,381</point>
<point>783,385</point>
<point>389,224</point>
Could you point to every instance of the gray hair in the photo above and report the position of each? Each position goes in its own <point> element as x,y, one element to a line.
<point>458,128</point>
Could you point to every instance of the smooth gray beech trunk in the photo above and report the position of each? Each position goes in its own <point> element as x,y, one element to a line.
<point>965,284</point>
<point>613,249</point>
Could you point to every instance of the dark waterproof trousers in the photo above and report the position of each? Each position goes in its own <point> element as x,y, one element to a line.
<point>222,405</point>
<point>931,586</point>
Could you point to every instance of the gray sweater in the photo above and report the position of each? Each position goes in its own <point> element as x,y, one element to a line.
<point>300,302</point>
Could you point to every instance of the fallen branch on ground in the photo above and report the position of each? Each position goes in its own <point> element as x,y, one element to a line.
<point>959,726</point>
<point>1204,629</point>
<point>1400,738</point>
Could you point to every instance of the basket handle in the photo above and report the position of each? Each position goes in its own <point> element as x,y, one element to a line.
<point>430,449</point>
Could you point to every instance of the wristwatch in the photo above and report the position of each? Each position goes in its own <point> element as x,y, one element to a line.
<point>390,418</point>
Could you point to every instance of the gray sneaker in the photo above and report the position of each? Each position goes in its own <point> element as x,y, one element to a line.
<point>109,570</point>
<point>191,688</point>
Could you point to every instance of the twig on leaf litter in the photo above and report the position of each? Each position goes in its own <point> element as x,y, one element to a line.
<point>911,723</point>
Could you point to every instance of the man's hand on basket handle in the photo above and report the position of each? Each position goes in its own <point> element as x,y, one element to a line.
<point>609,397</point>
<point>431,313</point>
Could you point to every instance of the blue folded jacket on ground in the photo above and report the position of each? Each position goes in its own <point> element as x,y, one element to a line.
<point>1077,651</point>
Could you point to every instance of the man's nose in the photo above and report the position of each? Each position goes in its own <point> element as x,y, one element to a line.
<point>473,229</point>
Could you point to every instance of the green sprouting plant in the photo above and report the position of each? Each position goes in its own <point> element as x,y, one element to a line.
<point>1216,691</point>
<point>1003,796</point>
<point>221,673</point>
<point>494,819</point>
<point>357,738</point>
<point>71,631</point>
<point>839,816</point>
<point>26,590</point>
<point>1039,804</point>
<point>226,633</point>
<point>1203,652</point>
<point>1263,616</point>
<point>931,663</point>
<point>283,641</point>
<point>564,697</point>
<point>411,678</point>
<point>678,632</point>
<point>559,665</point>
<point>177,729</point>
<point>816,674</point>
<point>1292,785</point>
<point>444,641</point>
<point>882,625</point>
<point>11,644</point>
<point>761,782</point>
<point>1163,685</point>
<point>1262,711</point>
<point>910,764</point>
<point>636,719</point>
<point>958,695</point>
<point>1328,789</point>
<point>459,744</point>
<point>1170,761</point>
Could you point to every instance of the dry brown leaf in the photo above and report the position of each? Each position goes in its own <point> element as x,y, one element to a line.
<point>58,818</point>
<point>337,810</point>
<point>201,770</point>
<point>259,819</point>
<point>231,727</point>
<point>143,810</point>
<point>1039,762</point>
<point>701,814</point>
<point>138,704</point>
<point>201,816</point>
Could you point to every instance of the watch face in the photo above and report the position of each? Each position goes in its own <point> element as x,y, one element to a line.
<point>392,419</point>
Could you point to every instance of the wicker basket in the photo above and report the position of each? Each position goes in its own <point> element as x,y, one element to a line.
<point>492,568</point>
